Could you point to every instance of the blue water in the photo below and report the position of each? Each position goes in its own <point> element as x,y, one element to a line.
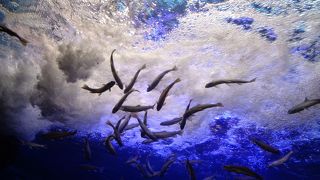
<point>62,158</point>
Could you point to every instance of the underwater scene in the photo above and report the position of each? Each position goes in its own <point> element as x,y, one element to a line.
<point>159,89</point>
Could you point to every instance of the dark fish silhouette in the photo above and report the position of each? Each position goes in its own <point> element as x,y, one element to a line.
<point>134,109</point>
<point>101,90</point>
<point>281,160</point>
<point>242,170</point>
<point>109,145</point>
<point>166,166</point>
<point>228,81</point>
<point>144,128</point>
<point>145,118</point>
<point>116,133</point>
<point>175,120</point>
<point>190,169</point>
<point>87,149</point>
<point>88,167</point>
<point>131,126</point>
<point>12,33</point>
<point>196,109</point>
<point>164,94</point>
<point>58,134</point>
<point>158,79</point>
<point>134,79</point>
<point>167,134</point>
<point>114,72</point>
<point>121,101</point>
<point>124,124</point>
<point>265,146</point>
<point>304,105</point>
<point>133,160</point>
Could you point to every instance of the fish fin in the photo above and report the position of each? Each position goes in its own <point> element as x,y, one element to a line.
<point>177,80</point>
<point>306,99</point>
<point>174,68</point>
<point>253,80</point>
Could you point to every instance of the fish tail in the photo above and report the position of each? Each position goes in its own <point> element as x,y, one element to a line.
<point>220,105</point>
<point>143,67</point>
<point>174,68</point>
<point>23,41</point>
<point>253,80</point>
<point>86,87</point>
<point>177,80</point>
<point>114,50</point>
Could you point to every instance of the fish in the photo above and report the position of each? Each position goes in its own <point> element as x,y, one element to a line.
<point>133,160</point>
<point>116,133</point>
<point>194,110</point>
<point>87,150</point>
<point>119,123</point>
<point>171,122</point>
<point>58,134</point>
<point>137,108</point>
<point>304,105</point>
<point>101,90</point>
<point>149,168</point>
<point>143,171</point>
<point>242,170</point>
<point>190,170</point>
<point>145,129</point>
<point>145,118</point>
<point>124,124</point>
<point>156,81</point>
<point>265,146</point>
<point>166,134</point>
<point>166,166</point>
<point>121,101</point>
<point>109,145</point>
<point>10,32</point>
<point>164,94</point>
<point>114,71</point>
<point>33,145</point>
<point>88,167</point>
<point>175,120</point>
<point>131,126</point>
<point>133,81</point>
<point>228,81</point>
<point>281,160</point>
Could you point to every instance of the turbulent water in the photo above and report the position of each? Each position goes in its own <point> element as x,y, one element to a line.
<point>277,42</point>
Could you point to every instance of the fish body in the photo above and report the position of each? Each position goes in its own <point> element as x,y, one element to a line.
<point>92,168</point>
<point>32,145</point>
<point>166,166</point>
<point>134,79</point>
<point>101,90</point>
<point>116,133</point>
<point>265,146</point>
<point>166,134</point>
<point>304,105</point>
<point>131,126</point>
<point>171,122</point>
<point>58,134</point>
<point>281,160</point>
<point>124,124</point>
<point>242,170</point>
<point>114,72</point>
<point>145,130</point>
<point>133,160</point>
<point>109,145</point>
<point>228,81</point>
<point>121,101</point>
<point>190,169</point>
<point>164,94</point>
<point>87,150</point>
<point>134,109</point>
<point>158,79</point>
<point>196,109</point>
<point>14,34</point>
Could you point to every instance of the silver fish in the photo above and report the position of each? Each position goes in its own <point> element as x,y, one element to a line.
<point>135,109</point>
<point>228,81</point>
<point>164,94</point>
<point>145,129</point>
<point>304,105</point>
<point>175,120</point>
<point>109,145</point>
<point>101,90</point>
<point>281,160</point>
<point>121,101</point>
<point>158,79</point>
<point>12,33</point>
<point>190,170</point>
<point>133,81</point>
<point>196,109</point>
<point>116,133</point>
<point>114,72</point>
